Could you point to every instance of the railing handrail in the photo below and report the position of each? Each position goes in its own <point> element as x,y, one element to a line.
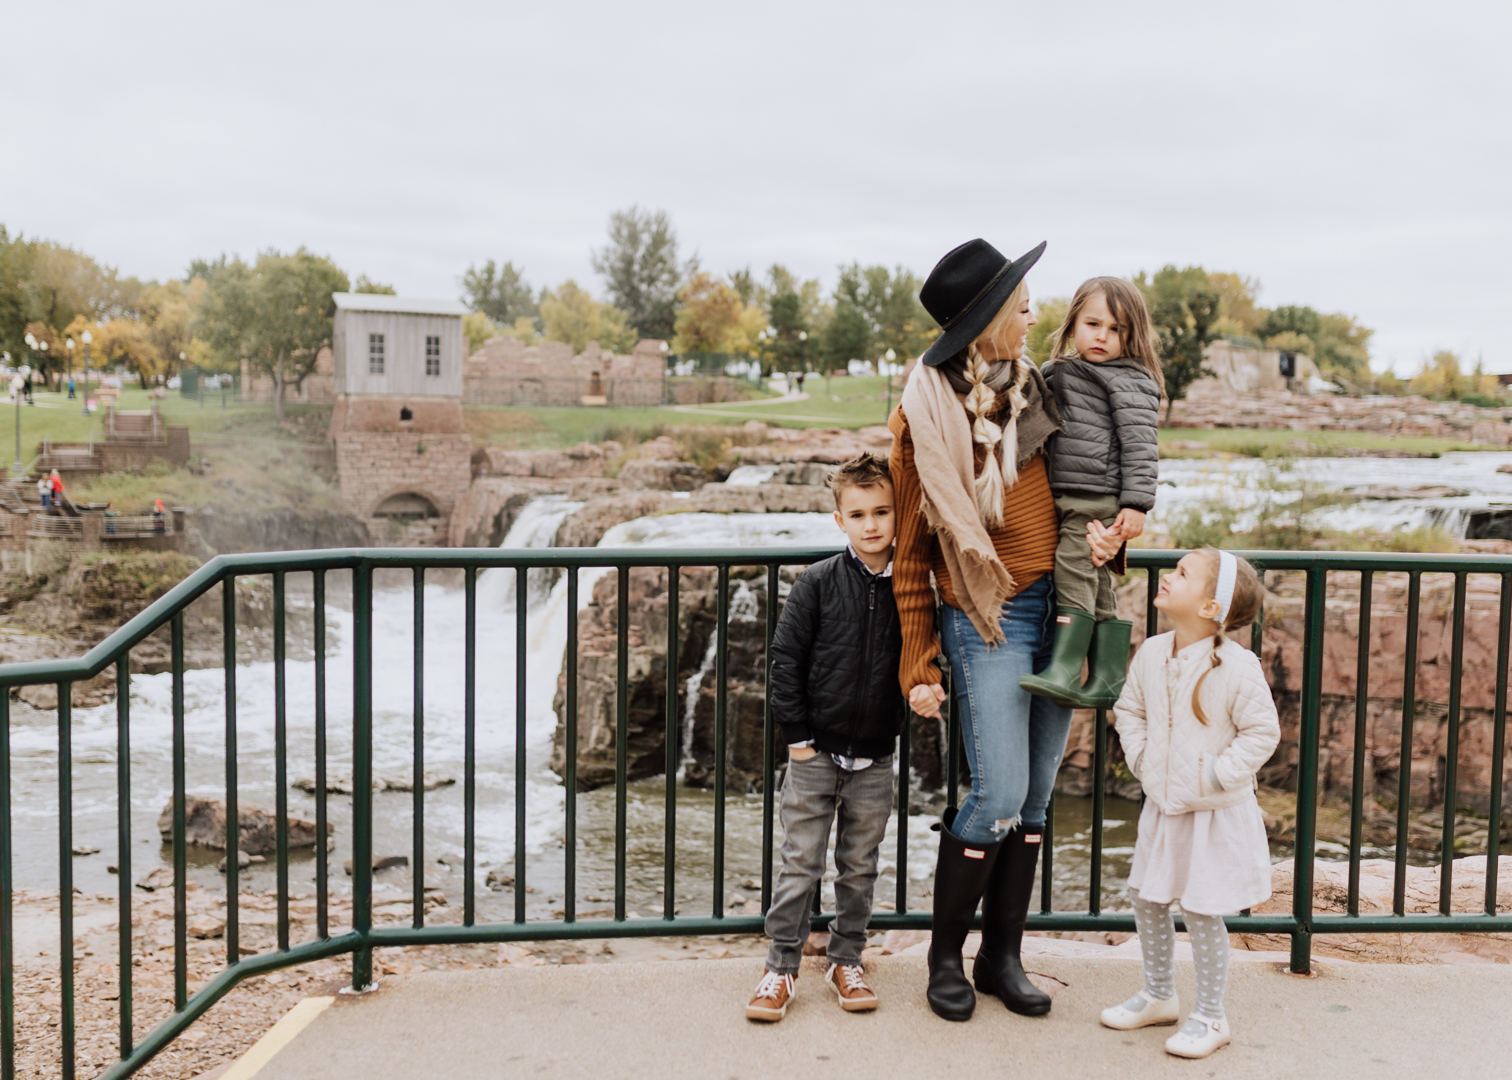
<point>209,575</point>
<point>1301,923</point>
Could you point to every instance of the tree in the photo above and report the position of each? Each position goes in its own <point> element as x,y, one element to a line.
<point>500,292</point>
<point>1184,306</point>
<point>1240,301</point>
<point>273,314</point>
<point>850,334</point>
<point>902,323</point>
<point>1338,344</point>
<point>1051,313</point>
<point>366,284</point>
<point>711,318</point>
<point>876,309</point>
<point>48,284</point>
<point>572,316</point>
<point>641,271</point>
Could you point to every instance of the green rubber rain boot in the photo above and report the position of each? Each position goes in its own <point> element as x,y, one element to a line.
<point>1062,679</point>
<point>1108,663</point>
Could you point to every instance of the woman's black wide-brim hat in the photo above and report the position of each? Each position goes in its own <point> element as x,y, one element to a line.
<point>966,290</point>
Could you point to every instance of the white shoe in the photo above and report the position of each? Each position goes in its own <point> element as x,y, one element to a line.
<point>1215,1033</point>
<point>1150,1012</point>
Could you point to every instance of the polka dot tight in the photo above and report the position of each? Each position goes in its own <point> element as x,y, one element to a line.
<point>1210,954</point>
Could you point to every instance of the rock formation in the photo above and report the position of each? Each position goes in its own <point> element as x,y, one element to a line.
<point>205,826</point>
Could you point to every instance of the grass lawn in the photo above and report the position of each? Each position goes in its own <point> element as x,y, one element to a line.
<point>847,403</point>
<point>62,420</point>
<point>1254,442</point>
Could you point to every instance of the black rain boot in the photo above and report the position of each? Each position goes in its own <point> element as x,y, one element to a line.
<point>1061,681</point>
<point>961,875</point>
<point>1108,664</point>
<point>998,969</point>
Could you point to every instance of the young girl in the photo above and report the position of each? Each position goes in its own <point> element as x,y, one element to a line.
<point>1106,377</point>
<point>1196,721</point>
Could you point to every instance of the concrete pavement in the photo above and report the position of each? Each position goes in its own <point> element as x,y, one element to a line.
<point>685,1020</point>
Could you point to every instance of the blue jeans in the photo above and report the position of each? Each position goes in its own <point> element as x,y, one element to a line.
<point>1014,740</point>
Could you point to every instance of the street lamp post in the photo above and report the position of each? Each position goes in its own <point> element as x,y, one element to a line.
<point>88,337</point>
<point>891,356</point>
<point>16,393</point>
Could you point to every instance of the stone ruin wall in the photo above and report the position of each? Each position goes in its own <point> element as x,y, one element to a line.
<point>318,388</point>
<point>505,371</point>
<point>374,465</point>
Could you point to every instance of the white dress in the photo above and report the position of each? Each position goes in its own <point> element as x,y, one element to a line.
<point>1215,862</point>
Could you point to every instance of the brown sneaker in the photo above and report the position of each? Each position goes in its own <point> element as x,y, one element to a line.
<point>849,983</point>
<point>770,1002</point>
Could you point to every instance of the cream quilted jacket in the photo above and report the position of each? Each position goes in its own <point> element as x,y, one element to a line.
<point>1183,764</point>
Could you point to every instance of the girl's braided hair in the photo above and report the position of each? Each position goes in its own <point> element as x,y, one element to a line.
<point>1248,592</point>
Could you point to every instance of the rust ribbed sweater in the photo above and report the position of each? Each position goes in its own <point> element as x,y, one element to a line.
<point>1025,542</point>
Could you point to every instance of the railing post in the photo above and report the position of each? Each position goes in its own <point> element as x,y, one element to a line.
<point>362,775</point>
<point>1307,771</point>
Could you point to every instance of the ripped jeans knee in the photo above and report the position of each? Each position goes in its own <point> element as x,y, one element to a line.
<point>1014,742</point>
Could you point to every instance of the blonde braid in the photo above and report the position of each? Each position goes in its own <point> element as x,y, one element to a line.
<point>980,402</point>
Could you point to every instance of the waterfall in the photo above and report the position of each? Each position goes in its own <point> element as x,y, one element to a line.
<point>535,527</point>
<point>743,608</point>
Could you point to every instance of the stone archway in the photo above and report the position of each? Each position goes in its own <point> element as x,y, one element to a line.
<point>406,506</point>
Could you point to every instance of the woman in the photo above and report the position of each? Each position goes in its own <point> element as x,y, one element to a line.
<point>975,511</point>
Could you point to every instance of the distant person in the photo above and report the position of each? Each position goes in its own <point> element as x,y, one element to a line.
<point>834,685</point>
<point>159,517</point>
<point>800,381</point>
<point>70,388</point>
<point>44,493</point>
<point>27,390</point>
<point>1196,721</point>
<point>55,482</point>
<point>111,513</point>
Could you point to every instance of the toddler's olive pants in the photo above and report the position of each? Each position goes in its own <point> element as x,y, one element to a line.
<point>1079,584</point>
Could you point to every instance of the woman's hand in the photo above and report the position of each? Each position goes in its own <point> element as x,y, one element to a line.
<point>1104,542</point>
<point>925,699</point>
<point>801,753</point>
<point>1129,523</point>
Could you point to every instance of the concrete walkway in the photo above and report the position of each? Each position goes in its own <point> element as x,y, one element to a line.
<point>685,1020</point>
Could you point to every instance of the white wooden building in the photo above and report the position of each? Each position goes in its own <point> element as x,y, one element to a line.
<point>397,345</point>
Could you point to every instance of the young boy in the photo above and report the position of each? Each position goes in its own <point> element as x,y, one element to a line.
<point>835,657</point>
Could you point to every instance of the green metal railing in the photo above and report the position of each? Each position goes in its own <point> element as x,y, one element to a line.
<point>363,937</point>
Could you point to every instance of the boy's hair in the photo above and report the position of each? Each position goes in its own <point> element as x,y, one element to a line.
<point>1127,305</point>
<point>1248,593</point>
<point>861,471</point>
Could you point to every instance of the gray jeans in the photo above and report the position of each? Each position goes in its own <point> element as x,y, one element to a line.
<point>816,793</point>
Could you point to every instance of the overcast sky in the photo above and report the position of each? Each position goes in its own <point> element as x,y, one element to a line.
<point>1351,156</point>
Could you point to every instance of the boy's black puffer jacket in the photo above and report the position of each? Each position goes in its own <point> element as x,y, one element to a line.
<point>835,658</point>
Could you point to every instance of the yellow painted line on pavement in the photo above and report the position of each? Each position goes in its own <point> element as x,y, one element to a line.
<point>278,1036</point>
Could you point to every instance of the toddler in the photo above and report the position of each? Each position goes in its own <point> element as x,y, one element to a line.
<point>1196,721</point>
<point>1106,377</point>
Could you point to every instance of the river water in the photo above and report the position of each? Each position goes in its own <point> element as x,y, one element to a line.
<point>34,734</point>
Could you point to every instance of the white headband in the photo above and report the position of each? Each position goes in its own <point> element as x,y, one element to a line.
<point>1228,575</point>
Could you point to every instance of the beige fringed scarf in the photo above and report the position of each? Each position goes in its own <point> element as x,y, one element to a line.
<point>953,497</point>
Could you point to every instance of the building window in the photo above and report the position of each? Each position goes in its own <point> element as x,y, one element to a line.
<point>375,354</point>
<point>433,356</point>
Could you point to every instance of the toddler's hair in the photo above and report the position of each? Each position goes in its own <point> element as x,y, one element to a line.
<point>1248,592</point>
<point>1127,305</point>
<point>861,471</point>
